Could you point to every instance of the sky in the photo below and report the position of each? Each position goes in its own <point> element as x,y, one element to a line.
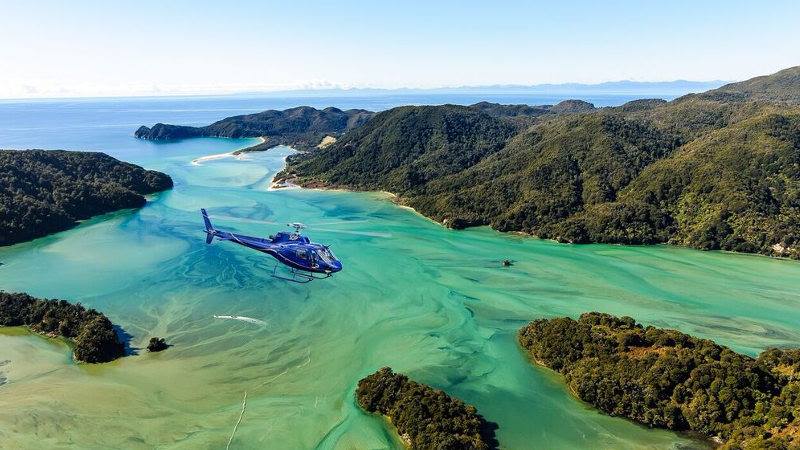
<point>52,48</point>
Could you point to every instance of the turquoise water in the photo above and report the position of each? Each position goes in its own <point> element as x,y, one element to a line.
<point>431,302</point>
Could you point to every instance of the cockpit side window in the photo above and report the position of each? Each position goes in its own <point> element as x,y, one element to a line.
<point>325,254</point>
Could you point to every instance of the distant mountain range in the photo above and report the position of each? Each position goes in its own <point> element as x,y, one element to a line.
<point>643,88</point>
<point>669,89</point>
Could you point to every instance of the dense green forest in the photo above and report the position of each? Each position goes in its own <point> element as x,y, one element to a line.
<point>667,379</point>
<point>45,191</point>
<point>425,418</point>
<point>718,170</point>
<point>302,127</point>
<point>92,334</point>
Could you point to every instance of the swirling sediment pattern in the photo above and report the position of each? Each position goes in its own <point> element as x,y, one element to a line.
<point>430,302</point>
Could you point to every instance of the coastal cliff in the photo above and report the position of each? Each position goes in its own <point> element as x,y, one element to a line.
<point>46,191</point>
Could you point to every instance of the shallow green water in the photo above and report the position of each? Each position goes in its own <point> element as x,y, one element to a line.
<point>427,301</point>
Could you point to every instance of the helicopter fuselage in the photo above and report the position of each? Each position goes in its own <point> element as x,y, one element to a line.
<point>291,249</point>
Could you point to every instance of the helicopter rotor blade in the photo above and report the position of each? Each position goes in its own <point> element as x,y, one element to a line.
<point>357,233</point>
<point>338,222</point>
<point>269,222</point>
<point>245,219</point>
<point>312,226</point>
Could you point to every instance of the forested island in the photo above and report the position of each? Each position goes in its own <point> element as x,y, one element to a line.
<point>664,378</point>
<point>717,170</point>
<point>303,127</point>
<point>91,333</point>
<point>425,418</point>
<point>46,191</point>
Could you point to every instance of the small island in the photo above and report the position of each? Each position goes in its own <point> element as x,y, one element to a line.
<point>91,333</point>
<point>667,379</point>
<point>46,191</point>
<point>157,344</point>
<point>425,418</point>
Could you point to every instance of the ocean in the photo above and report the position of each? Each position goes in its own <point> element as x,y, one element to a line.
<point>430,302</point>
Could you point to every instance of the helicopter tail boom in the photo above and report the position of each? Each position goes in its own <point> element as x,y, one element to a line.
<point>210,231</point>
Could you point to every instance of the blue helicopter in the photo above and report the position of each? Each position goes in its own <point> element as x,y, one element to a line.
<point>306,260</point>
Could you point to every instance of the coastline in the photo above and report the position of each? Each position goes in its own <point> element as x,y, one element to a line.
<point>234,154</point>
<point>560,378</point>
<point>397,201</point>
<point>260,147</point>
<point>289,183</point>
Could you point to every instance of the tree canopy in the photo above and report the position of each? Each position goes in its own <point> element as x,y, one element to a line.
<point>303,127</point>
<point>426,418</point>
<point>92,334</point>
<point>667,379</point>
<point>710,171</point>
<point>45,191</point>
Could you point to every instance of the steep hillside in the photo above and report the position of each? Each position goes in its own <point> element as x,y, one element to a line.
<point>737,188</point>
<point>707,171</point>
<point>546,173</point>
<point>403,148</point>
<point>780,87</point>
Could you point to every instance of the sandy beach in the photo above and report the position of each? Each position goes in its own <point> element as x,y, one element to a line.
<point>234,154</point>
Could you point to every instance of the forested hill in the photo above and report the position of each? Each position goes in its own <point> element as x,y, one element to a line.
<point>409,146</point>
<point>781,87</point>
<point>663,378</point>
<point>45,191</point>
<point>710,171</point>
<point>302,127</point>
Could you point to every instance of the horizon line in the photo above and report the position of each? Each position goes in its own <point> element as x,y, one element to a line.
<point>356,89</point>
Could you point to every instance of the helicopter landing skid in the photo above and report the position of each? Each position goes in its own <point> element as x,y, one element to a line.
<point>298,276</point>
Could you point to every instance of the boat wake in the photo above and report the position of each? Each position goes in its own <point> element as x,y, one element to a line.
<point>242,319</point>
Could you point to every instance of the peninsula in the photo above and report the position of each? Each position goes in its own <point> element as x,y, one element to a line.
<point>91,333</point>
<point>46,191</point>
<point>303,127</point>
<point>664,378</point>
<point>425,418</point>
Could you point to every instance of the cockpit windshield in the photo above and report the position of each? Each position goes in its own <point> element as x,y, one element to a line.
<point>325,255</point>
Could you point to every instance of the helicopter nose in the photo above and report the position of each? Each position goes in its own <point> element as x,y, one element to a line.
<point>335,266</point>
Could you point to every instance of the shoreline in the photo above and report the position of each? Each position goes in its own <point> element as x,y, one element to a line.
<point>288,183</point>
<point>396,200</point>
<point>255,148</point>
<point>232,154</point>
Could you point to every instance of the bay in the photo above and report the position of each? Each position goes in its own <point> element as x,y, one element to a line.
<point>433,303</point>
